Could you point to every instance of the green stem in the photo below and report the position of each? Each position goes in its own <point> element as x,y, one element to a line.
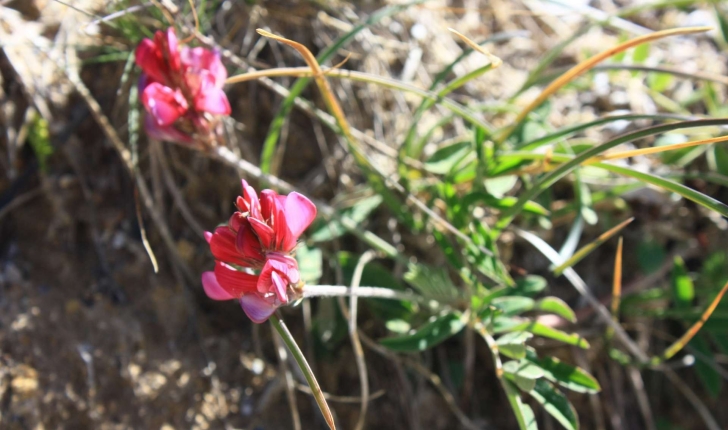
<point>290,342</point>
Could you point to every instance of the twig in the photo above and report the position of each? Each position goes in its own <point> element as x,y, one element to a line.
<point>354,335</point>
<point>179,200</point>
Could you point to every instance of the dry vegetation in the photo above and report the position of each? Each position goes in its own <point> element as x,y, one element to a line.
<point>91,337</point>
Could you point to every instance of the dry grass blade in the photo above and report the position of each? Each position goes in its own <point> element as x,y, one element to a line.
<point>497,62</point>
<point>583,252</point>
<point>617,280</point>
<point>655,149</point>
<point>692,331</point>
<point>585,65</point>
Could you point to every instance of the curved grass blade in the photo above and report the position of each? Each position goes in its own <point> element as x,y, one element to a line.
<point>692,331</point>
<point>586,250</point>
<point>700,76</point>
<point>567,131</point>
<point>666,184</point>
<point>271,140</point>
<point>561,171</point>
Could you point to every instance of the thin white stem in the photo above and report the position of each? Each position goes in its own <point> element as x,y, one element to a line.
<point>371,292</point>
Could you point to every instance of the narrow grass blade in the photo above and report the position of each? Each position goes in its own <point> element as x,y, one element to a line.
<point>570,130</point>
<point>586,250</point>
<point>318,394</point>
<point>666,184</point>
<point>561,171</point>
<point>692,331</point>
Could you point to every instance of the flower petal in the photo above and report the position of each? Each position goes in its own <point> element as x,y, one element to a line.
<point>223,246</point>
<point>257,308</point>
<point>278,266</point>
<point>263,231</point>
<point>300,213</point>
<point>250,197</point>
<point>167,43</point>
<point>235,282</point>
<point>163,103</point>
<point>248,245</point>
<point>213,288</point>
<point>195,60</point>
<point>148,56</point>
<point>211,98</point>
<point>279,287</point>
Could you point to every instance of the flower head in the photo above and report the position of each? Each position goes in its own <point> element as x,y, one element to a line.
<point>181,90</point>
<point>254,251</point>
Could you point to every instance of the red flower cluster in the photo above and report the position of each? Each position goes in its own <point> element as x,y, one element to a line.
<point>181,90</point>
<point>259,239</point>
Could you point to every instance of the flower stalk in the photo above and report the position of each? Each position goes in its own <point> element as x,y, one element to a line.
<point>318,394</point>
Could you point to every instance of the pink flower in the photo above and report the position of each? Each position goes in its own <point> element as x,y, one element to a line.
<point>181,90</point>
<point>259,239</point>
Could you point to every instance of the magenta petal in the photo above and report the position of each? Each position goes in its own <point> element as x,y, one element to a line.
<point>279,287</point>
<point>235,282</point>
<point>257,308</point>
<point>149,58</point>
<point>211,99</point>
<point>208,236</point>
<point>263,231</point>
<point>213,288</point>
<point>163,103</point>
<point>300,213</point>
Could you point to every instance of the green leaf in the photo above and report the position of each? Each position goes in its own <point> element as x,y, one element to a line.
<point>513,305</point>
<point>513,345</point>
<point>502,203</point>
<point>650,256</point>
<point>566,375</point>
<point>545,331</point>
<point>309,263</point>
<point>556,306</point>
<point>501,185</point>
<point>524,414</point>
<point>721,158</point>
<point>432,282</point>
<point>523,368</point>
<point>427,336</point>
<point>398,326</point>
<point>446,158</point>
<point>40,141</point>
<point>530,285</point>
<point>556,404</point>
<point>683,291</point>
<point>358,213</point>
